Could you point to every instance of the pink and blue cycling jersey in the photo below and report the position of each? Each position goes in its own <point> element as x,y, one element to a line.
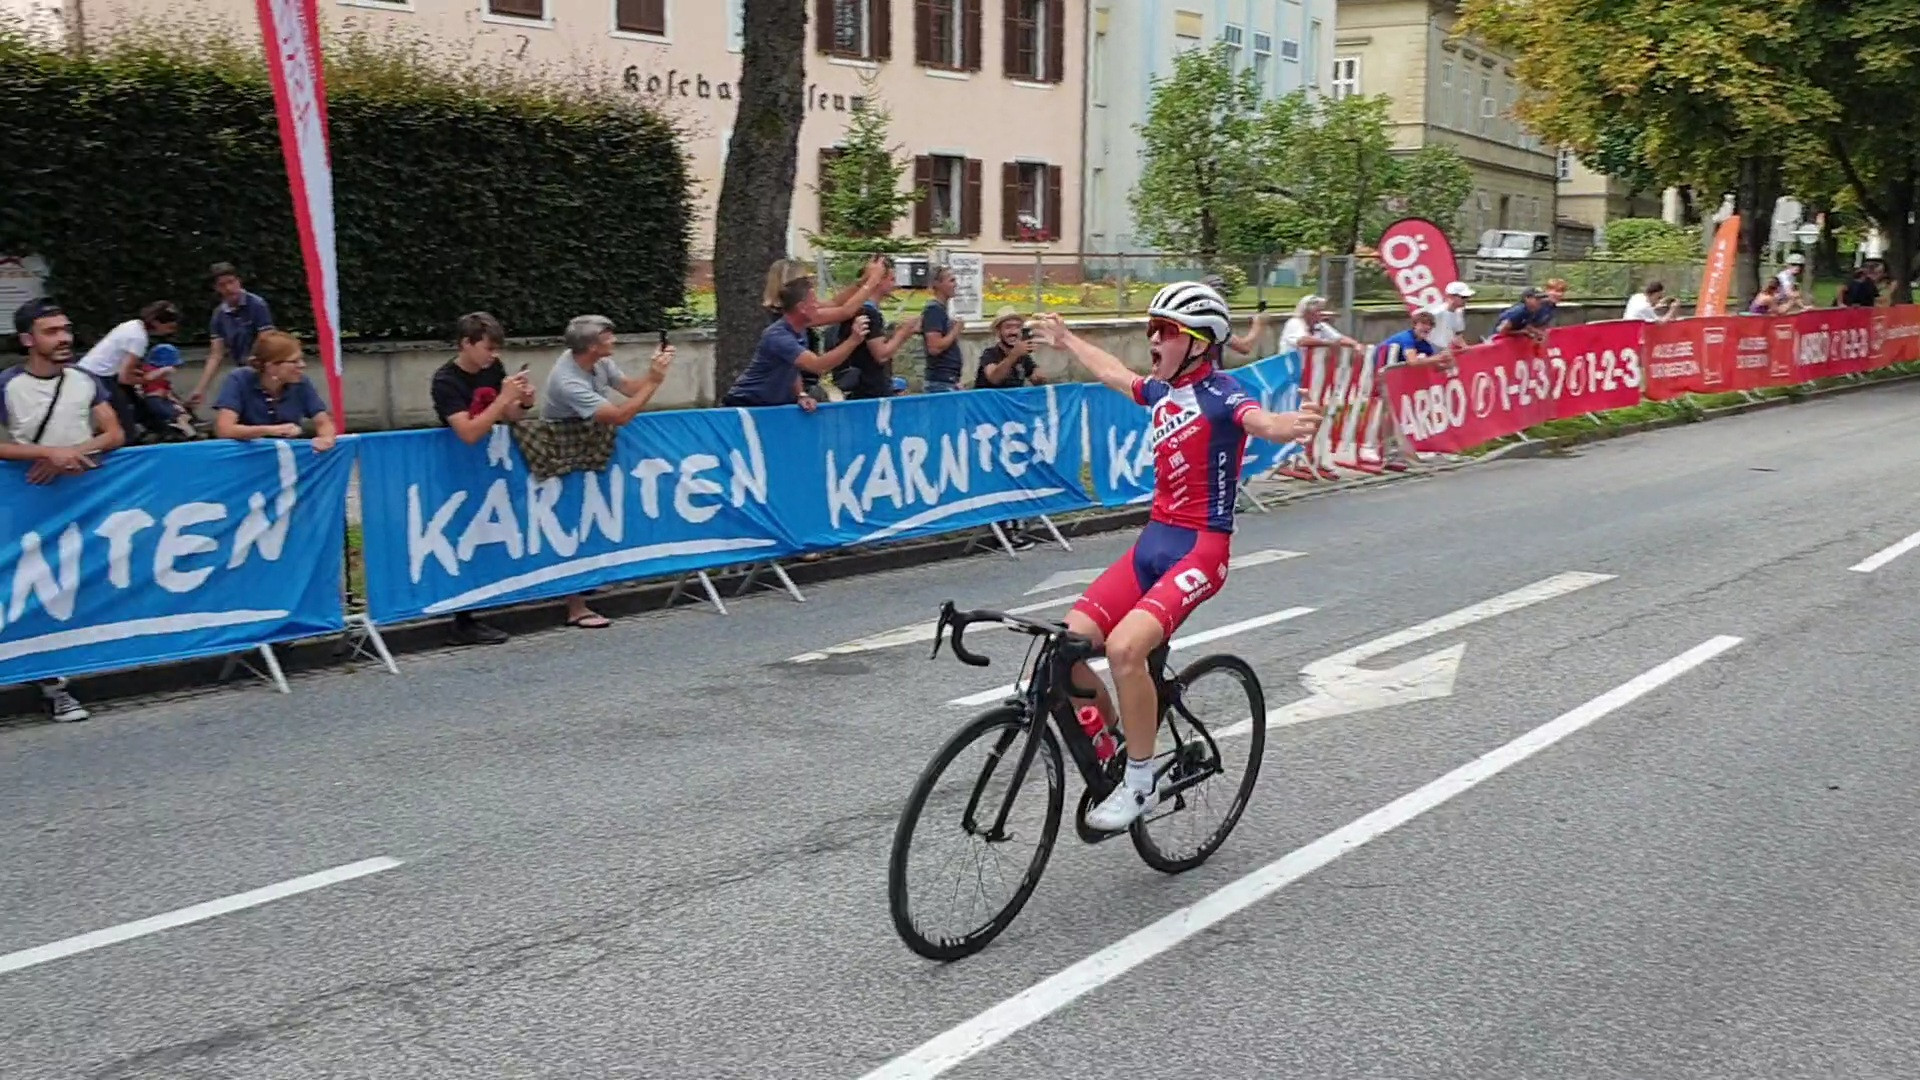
<point>1197,435</point>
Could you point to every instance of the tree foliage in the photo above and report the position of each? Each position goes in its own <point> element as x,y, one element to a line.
<point>1702,92</point>
<point>134,166</point>
<point>861,199</point>
<point>1197,174</point>
<point>1228,174</point>
<point>1651,240</point>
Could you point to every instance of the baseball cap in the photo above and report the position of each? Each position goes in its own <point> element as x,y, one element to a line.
<point>1796,259</point>
<point>33,311</point>
<point>163,356</point>
<point>1534,292</point>
<point>1459,288</point>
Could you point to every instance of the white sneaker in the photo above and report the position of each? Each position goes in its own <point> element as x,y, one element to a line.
<point>64,707</point>
<point>1122,808</point>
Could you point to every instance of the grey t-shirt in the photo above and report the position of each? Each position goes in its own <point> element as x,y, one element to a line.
<point>574,394</point>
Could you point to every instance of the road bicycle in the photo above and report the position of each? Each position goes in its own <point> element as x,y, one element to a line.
<point>1018,737</point>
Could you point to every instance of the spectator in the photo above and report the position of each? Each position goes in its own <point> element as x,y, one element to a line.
<point>471,393</point>
<point>1530,316</point>
<point>773,377</point>
<point>845,305</point>
<point>1767,301</point>
<point>115,359</point>
<point>873,351</point>
<point>238,318</point>
<point>1240,343</point>
<point>1007,364</point>
<point>59,421</point>
<point>1309,328</point>
<point>1789,279</point>
<point>941,333</point>
<point>271,397</point>
<point>577,391</point>
<point>154,402</point>
<point>1652,304</point>
<point>1860,290</point>
<point>1450,317</point>
<point>1412,347</point>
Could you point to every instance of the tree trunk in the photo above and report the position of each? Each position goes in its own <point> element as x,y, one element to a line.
<point>750,223</point>
<point>1689,213</point>
<point>1753,199</point>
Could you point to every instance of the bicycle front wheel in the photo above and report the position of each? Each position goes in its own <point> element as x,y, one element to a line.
<point>956,850</point>
<point>1205,782</point>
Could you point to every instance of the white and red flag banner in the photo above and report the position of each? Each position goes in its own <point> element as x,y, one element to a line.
<point>292,32</point>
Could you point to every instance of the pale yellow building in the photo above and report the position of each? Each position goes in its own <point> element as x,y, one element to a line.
<point>986,95</point>
<point>1593,199</point>
<point>1452,92</point>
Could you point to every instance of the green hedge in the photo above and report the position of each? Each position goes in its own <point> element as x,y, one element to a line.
<point>134,168</point>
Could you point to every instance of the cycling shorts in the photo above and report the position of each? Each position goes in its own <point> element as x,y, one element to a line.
<point>1167,573</point>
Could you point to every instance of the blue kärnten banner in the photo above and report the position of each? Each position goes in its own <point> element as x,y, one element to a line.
<point>1122,457</point>
<point>168,553</point>
<point>451,527</point>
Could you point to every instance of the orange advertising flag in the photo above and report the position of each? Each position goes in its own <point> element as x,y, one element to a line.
<point>1718,277</point>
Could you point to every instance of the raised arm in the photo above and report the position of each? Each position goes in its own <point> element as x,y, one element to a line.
<point>821,363</point>
<point>1283,427</point>
<point>1104,365</point>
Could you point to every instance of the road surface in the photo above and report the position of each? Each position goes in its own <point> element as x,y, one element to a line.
<point>659,850</point>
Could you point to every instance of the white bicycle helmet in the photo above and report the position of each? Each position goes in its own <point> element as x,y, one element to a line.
<point>1194,306</point>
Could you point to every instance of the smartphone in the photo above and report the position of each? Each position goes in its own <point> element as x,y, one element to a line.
<point>663,339</point>
<point>523,369</point>
<point>1262,307</point>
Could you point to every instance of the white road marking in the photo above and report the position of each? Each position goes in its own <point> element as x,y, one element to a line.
<point>1883,557</point>
<point>1066,578</point>
<point>1338,686</point>
<point>999,692</point>
<point>1037,1002</point>
<point>113,935</point>
<point>917,634</point>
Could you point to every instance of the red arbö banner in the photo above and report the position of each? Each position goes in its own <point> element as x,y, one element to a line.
<point>1513,383</point>
<point>1419,258</point>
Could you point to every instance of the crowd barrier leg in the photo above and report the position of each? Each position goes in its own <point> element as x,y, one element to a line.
<point>706,584</point>
<point>272,674</point>
<point>363,641</point>
<point>1246,492</point>
<point>778,571</point>
<point>1055,530</point>
<point>1358,447</point>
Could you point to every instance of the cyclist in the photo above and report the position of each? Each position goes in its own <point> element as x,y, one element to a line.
<point>1200,420</point>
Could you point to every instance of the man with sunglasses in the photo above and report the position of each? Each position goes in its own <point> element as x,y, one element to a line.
<point>1200,419</point>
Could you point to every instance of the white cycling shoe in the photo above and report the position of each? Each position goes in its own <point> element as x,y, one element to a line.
<point>1122,808</point>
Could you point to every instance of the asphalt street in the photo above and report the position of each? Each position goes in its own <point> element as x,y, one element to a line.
<point>660,850</point>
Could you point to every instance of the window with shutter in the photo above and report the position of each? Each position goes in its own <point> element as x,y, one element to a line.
<point>518,9</point>
<point>1010,201</point>
<point>970,20</point>
<point>940,33</point>
<point>970,201</point>
<point>641,17</point>
<point>1056,42</point>
<point>943,199</point>
<point>855,29</point>
<point>1025,39</point>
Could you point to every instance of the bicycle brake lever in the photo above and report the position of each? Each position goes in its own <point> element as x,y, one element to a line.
<point>940,629</point>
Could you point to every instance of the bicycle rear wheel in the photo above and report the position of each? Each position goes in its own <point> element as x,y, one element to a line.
<point>1197,781</point>
<point>988,805</point>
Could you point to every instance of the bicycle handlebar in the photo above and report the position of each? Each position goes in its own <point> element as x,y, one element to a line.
<point>959,620</point>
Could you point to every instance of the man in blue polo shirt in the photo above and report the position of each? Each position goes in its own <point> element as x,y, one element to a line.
<point>773,376</point>
<point>237,319</point>
<point>1531,316</point>
<point>1411,346</point>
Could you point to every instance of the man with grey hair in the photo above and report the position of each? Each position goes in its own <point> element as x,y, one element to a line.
<point>577,390</point>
